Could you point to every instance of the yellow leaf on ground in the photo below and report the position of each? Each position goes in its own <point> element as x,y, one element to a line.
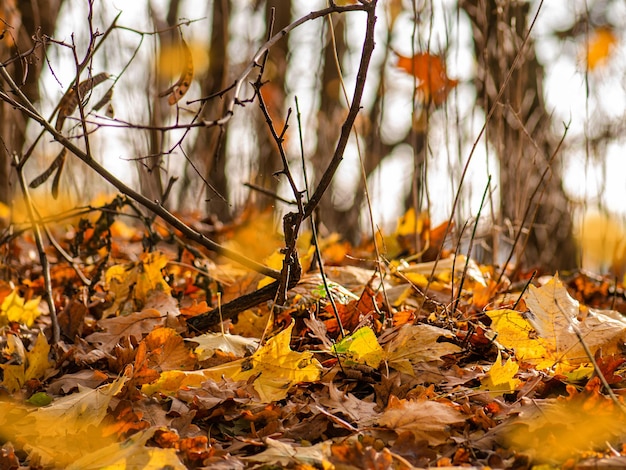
<point>130,454</point>
<point>361,347</point>
<point>66,430</point>
<point>501,377</point>
<point>34,366</point>
<point>274,368</point>
<point>15,308</point>
<point>515,332</point>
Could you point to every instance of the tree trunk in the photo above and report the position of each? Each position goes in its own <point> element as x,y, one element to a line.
<point>521,133</point>
<point>23,20</point>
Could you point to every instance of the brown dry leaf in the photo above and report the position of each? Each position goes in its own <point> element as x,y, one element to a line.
<point>136,325</point>
<point>85,378</point>
<point>426,419</point>
<point>358,411</point>
<point>430,70</point>
<point>69,102</point>
<point>416,344</point>
<point>166,350</point>
<point>178,90</point>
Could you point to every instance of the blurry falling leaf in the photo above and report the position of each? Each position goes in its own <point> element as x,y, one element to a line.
<point>555,317</point>
<point>554,430</point>
<point>501,376</point>
<point>16,309</point>
<point>425,419</point>
<point>69,102</point>
<point>64,431</point>
<point>598,47</point>
<point>361,347</point>
<point>394,8</point>
<point>34,365</point>
<point>186,71</point>
<point>130,454</point>
<point>430,70</point>
<point>602,238</point>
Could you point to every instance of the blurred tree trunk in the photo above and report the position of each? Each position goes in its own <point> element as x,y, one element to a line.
<point>209,150</point>
<point>22,21</point>
<point>330,116</point>
<point>521,133</point>
<point>274,96</point>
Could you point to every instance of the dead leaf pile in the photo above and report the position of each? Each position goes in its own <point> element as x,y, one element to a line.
<point>440,364</point>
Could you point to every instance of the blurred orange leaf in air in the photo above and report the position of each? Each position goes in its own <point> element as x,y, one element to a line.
<point>430,70</point>
<point>599,46</point>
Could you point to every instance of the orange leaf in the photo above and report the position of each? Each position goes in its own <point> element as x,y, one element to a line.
<point>430,70</point>
<point>599,46</point>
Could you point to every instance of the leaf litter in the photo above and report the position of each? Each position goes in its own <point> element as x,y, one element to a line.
<point>432,371</point>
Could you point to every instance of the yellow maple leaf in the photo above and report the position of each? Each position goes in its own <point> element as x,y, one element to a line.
<point>516,333</point>
<point>500,378</point>
<point>149,276</point>
<point>34,366</point>
<point>15,308</point>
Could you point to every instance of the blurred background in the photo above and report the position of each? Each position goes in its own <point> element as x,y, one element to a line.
<point>460,101</point>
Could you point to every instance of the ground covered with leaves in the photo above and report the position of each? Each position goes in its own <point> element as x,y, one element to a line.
<point>395,364</point>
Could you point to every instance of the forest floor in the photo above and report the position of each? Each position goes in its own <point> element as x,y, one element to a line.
<point>437,363</point>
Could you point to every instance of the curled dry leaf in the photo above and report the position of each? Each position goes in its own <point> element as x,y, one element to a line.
<point>69,102</point>
<point>178,89</point>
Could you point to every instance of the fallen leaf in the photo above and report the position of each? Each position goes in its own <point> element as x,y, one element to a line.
<point>136,325</point>
<point>236,345</point>
<point>360,347</point>
<point>36,363</point>
<point>426,419</point>
<point>554,315</point>
<point>416,344</point>
<point>500,378</point>
<point>15,308</point>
